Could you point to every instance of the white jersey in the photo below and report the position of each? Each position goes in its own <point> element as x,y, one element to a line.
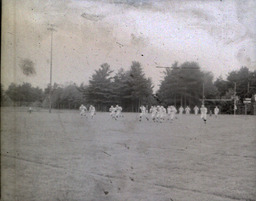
<point>92,111</point>
<point>173,111</point>
<point>112,111</point>
<point>158,112</point>
<point>143,112</point>
<point>196,109</point>
<point>83,110</point>
<point>162,112</point>
<point>118,111</point>
<point>187,109</point>
<point>216,111</point>
<point>82,107</point>
<point>143,109</point>
<point>153,112</point>
<point>203,111</point>
<point>181,109</point>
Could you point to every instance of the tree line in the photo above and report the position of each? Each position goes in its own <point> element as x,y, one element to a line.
<point>184,84</point>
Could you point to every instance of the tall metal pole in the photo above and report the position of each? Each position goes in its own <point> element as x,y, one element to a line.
<point>50,96</point>
<point>235,99</point>
<point>50,93</point>
<point>203,95</point>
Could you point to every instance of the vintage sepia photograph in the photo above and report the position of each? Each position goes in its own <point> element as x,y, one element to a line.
<point>128,100</point>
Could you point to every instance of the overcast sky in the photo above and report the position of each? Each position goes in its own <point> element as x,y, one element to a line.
<point>219,35</point>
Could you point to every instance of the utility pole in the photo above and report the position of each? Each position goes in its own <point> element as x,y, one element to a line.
<point>235,99</point>
<point>50,93</point>
<point>203,95</point>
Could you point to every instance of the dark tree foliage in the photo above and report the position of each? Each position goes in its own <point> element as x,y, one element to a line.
<point>127,88</point>
<point>222,86</point>
<point>24,94</point>
<point>99,92</point>
<point>64,97</point>
<point>140,88</point>
<point>183,85</point>
<point>5,100</point>
<point>245,82</point>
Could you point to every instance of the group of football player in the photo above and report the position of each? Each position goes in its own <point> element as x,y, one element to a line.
<point>156,113</point>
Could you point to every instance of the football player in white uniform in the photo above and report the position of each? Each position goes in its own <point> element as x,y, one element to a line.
<point>187,109</point>
<point>173,112</point>
<point>83,110</point>
<point>203,111</point>
<point>196,109</point>
<point>143,112</point>
<point>118,111</point>
<point>92,111</point>
<point>216,111</point>
<point>181,109</point>
<point>112,111</point>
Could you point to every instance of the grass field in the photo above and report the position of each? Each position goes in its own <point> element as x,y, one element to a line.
<point>62,157</point>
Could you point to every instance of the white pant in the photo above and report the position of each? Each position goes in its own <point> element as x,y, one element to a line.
<point>203,116</point>
<point>172,115</point>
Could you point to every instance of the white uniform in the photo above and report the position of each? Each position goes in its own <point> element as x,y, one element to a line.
<point>169,110</point>
<point>83,110</point>
<point>112,111</point>
<point>181,109</point>
<point>196,109</point>
<point>118,111</point>
<point>153,112</point>
<point>216,111</point>
<point>162,113</point>
<point>143,112</point>
<point>173,111</point>
<point>187,109</point>
<point>92,111</point>
<point>203,111</point>
<point>158,113</point>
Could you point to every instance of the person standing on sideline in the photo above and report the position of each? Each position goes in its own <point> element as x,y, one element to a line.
<point>30,110</point>
<point>203,111</point>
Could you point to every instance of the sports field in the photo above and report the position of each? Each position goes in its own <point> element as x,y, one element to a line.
<point>63,157</point>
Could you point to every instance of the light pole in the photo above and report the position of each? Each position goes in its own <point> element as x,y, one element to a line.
<point>203,94</point>
<point>50,93</point>
<point>235,99</point>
